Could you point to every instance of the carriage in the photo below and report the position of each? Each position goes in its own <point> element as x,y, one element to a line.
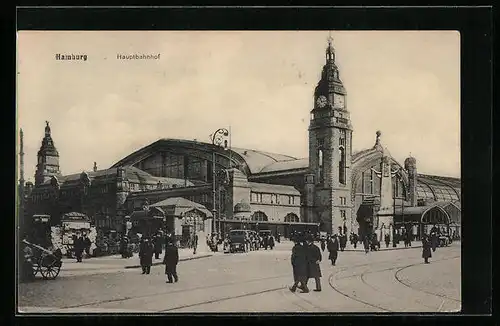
<point>44,261</point>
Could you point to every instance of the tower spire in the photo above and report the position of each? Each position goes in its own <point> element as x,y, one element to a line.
<point>330,52</point>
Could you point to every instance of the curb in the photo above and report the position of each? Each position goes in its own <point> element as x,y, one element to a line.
<point>180,259</point>
<point>384,249</point>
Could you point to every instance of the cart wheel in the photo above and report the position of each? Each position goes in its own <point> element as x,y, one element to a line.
<point>50,272</point>
<point>50,268</point>
<point>36,269</point>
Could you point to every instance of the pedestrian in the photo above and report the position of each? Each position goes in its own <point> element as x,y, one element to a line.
<point>333,249</point>
<point>426,249</point>
<point>27,273</point>
<point>78,247</point>
<point>271,242</point>
<point>195,243</point>
<point>323,245</point>
<point>434,240</point>
<point>387,240</point>
<point>278,237</point>
<point>355,239</point>
<point>146,249</point>
<point>342,242</point>
<point>158,245</point>
<point>265,240</point>
<point>170,260</point>
<point>299,265</point>
<point>86,244</point>
<point>313,262</point>
<point>366,243</point>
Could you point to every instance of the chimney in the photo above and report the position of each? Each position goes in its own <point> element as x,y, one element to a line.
<point>95,166</point>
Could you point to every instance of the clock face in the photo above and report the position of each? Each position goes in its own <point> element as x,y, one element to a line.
<point>339,101</point>
<point>321,101</point>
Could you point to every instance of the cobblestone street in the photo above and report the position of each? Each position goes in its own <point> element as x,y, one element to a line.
<point>384,281</point>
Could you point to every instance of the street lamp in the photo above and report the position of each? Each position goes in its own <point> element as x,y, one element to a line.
<point>219,138</point>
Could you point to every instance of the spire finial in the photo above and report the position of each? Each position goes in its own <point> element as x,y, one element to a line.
<point>47,129</point>
<point>330,38</point>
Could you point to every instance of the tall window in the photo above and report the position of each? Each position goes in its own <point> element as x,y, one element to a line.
<point>371,181</point>
<point>320,165</point>
<point>342,215</point>
<point>342,165</point>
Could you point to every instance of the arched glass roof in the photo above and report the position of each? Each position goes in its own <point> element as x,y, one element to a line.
<point>438,189</point>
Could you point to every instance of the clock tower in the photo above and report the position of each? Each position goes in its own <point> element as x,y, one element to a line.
<point>328,181</point>
<point>48,159</point>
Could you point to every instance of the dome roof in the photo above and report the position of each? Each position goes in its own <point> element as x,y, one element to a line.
<point>242,207</point>
<point>410,162</point>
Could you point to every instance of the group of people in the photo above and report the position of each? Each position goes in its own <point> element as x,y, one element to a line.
<point>148,247</point>
<point>306,258</point>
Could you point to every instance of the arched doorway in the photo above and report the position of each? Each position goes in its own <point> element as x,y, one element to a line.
<point>257,217</point>
<point>289,218</point>
<point>435,216</point>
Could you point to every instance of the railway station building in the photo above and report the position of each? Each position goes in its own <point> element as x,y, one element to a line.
<point>332,188</point>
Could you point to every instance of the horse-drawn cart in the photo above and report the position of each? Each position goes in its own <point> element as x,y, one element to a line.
<point>44,261</point>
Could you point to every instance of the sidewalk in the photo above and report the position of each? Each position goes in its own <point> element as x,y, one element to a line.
<point>117,262</point>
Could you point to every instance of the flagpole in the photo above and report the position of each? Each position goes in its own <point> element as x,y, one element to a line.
<point>230,162</point>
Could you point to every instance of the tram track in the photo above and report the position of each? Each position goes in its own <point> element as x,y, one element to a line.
<point>363,280</point>
<point>396,276</point>
<point>207,287</point>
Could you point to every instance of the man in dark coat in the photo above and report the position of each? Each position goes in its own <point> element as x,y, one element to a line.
<point>195,243</point>
<point>265,241</point>
<point>170,260</point>
<point>86,244</point>
<point>146,249</point>
<point>333,248</point>
<point>79,247</point>
<point>313,261</point>
<point>271,242</point>
<point>387,239</point>
<point>323,245</point>
<point>343,242</point>
<point>426,249</point>
<point>366,243</point>
<point>158,245</point>
<point>299,264</point>
<point>355,240</point>
<point>434,240</point>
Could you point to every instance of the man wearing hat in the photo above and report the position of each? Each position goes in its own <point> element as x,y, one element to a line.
<point>313,254</point>
<point>146,250</point>
<point>299,264</point>
<point>170,260</point>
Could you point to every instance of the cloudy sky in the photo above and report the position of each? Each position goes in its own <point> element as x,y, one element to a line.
<point>406,84</point>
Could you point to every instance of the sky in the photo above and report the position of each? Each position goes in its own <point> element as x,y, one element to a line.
<point>260,83</point>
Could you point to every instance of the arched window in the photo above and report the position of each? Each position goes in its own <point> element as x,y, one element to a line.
<point>291,217</point>
<point>320,164</point>
<point>342,165</point>
<point>259,216</point>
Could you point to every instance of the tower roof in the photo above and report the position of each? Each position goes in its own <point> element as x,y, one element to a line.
<point>48,147</point>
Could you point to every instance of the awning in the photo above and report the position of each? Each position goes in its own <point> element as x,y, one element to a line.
<point>151,214</point>
<point>75,216</point>
<point>179,207</point>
